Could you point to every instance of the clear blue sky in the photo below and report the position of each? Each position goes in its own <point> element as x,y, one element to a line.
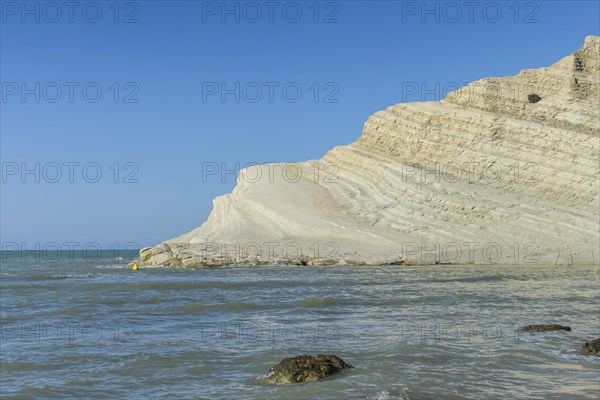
<point>169,56</point>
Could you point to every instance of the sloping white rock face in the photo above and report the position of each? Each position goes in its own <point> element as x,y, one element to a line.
<point>505,170</point>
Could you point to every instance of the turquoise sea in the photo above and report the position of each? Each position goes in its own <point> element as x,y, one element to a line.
<point>81,328</point>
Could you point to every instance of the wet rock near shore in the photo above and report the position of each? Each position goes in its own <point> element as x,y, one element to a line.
<point>306,368</point>
<point>545,328</point>
<point>591,348</point>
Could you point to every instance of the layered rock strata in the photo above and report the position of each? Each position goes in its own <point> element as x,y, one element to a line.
<point>504,170</point>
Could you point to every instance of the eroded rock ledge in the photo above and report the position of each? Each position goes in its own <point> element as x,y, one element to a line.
<point>504,170</point>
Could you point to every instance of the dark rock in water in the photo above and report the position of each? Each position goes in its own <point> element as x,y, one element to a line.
<point>545,328</point>
<point>306,368</point>
<point>592,347</point>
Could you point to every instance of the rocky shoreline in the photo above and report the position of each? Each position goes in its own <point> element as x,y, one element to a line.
<point>207,255</point>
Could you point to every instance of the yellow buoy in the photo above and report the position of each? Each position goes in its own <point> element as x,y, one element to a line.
<point>135,267</point>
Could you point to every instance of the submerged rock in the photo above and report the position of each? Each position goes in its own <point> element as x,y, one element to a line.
<point>545,328</point>
<point>306,368</point>
<point>592,348</point>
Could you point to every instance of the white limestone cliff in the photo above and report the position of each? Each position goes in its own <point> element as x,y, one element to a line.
<point>504,170</point>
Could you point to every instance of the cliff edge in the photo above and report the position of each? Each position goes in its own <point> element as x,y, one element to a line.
<point>504,170</point>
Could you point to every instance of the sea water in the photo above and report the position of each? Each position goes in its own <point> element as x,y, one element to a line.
<point>95,329</point>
